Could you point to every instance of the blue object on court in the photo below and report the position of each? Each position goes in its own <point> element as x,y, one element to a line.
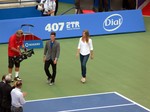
<point>101,102</point>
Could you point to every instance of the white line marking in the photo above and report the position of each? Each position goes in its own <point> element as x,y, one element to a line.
<point>91,95</point>
<point>132,101</point>
<point>94,108</point>
<point>71,96</point>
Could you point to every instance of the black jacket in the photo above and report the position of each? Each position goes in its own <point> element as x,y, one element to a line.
<point>6,97</point>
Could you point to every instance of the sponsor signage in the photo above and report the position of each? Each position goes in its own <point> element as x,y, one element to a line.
<point>33,44</point>
<point>112,22</point>
<point>67,26</point>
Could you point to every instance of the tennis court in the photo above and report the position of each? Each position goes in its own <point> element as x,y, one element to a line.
<point>121,63</point>
<point>100,102</point>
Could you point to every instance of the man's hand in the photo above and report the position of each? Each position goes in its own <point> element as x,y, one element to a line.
<point>55,61</point>
<point>25,49</point>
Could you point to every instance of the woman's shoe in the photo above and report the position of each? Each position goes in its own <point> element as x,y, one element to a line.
<point>83,80</point>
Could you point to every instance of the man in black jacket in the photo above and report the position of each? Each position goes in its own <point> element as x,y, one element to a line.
<point>1,86</point>
<point>6,97</point>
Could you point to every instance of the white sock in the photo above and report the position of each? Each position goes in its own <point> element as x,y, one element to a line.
<point>16,74</point>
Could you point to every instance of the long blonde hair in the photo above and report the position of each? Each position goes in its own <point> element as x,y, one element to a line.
<point>86,37</point>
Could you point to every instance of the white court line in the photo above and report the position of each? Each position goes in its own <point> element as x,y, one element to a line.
<point>94,108</point>
<point>71,96</point>
<point>132,101</point>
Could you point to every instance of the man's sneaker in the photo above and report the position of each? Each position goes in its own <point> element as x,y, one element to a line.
<point>52,83</point>
<point>48,80</point>
<point>17,79</point>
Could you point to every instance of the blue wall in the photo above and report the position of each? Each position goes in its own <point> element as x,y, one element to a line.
<point>21,12</point>
<point>67,1</point>
<point>68,26</point>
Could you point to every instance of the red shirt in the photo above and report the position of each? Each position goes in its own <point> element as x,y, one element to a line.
<point>15,43</point>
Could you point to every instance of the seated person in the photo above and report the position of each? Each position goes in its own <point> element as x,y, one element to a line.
<point>49,7</point>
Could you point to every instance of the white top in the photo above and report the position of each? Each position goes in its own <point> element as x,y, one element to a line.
<point>85,47</point>
<point>49,5</point>
<point>17,98</point>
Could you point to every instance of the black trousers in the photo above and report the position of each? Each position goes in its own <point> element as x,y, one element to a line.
<point>47,71</point>
<point>56,9</point>
<point>16,109</point>
<point>5,110</point>
<point>129,4</point>
<point>103,5</point>
<point>12,62</point>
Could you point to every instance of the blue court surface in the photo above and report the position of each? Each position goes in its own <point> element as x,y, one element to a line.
<point>100,102</point>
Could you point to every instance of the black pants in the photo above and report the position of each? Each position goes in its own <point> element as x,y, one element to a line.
<point>56,9</point>
<point>5,110</point>
<point>129,4</point>
<point>16,109</point>
<point>12,62</point>
<point>48,73</point>
<point>103,5</point>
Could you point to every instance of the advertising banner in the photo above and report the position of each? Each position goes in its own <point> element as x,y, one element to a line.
<point>67,26</point>
<point>32,44</point>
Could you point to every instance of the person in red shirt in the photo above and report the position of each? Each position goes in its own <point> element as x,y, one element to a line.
<point>14,45</point>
